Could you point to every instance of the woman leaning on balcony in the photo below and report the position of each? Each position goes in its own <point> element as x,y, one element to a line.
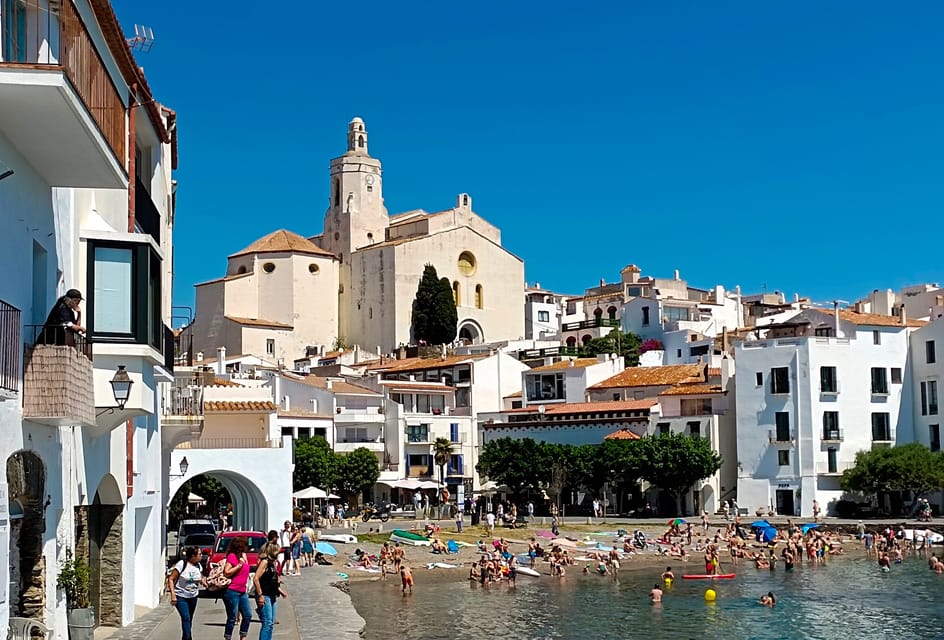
<point>64,321</point>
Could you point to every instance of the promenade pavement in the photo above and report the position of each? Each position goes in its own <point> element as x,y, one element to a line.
<point>313,609</point>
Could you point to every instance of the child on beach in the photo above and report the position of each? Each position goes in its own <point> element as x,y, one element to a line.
<point>406,577</point>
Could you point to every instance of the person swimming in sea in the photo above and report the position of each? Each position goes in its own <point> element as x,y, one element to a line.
<point>768,600</point>
<point>655,594</point>
<point>668,576</point>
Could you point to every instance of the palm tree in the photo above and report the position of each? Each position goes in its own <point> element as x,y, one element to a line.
<point>442,454</point>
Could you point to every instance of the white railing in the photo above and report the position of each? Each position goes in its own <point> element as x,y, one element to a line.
<point>231,443</point>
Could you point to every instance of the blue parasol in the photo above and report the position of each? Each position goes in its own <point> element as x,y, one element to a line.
<point>760,524</point>
<point>326,549</point>
<point>807,527</point>
<point>768,534</point>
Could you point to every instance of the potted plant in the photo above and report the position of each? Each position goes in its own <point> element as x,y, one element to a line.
<point>75,579</point>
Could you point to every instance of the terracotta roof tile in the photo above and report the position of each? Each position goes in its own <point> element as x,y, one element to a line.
<point>652,376</point>
<point>875,319</point>
<point>337,386</point>
<point>256,322</point>
<point>422,364</point>
<point>283,241</point>
<point>597,407</point>
<point>238,405</point>
<point>516,394</point>
<point>579,363</point>
<point>622,434</point>
<point>714,372</point>
<point>222,382</point>
<point>693,389</point>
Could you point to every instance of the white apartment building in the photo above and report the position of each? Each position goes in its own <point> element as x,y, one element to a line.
<point>93,210</point>
<point>927,375</point>
<point>810,394</point>
<point>567,380</point>
<point>921,302</point>
<point>543,311</point>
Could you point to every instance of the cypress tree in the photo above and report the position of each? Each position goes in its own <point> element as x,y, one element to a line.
<point>434,309</point>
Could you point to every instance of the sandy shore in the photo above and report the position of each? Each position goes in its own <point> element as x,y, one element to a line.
<point>649,560</point>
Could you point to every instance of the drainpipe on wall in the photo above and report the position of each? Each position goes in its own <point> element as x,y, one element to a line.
<point>129,425</point>
<point>132,149</point>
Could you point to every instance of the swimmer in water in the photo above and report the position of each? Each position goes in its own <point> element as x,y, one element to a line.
<point>768,600</point>
<point>655,594</point>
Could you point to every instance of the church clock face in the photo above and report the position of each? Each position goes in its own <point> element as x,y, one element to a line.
<point>369,179</point>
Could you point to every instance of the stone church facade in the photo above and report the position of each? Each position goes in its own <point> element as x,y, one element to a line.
<point>355,282</point>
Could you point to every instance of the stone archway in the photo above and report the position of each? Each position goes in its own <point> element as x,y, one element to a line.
<point>98,536</point>
<point>470,332</point>
<point>26,480</point>
<point>250,507</point>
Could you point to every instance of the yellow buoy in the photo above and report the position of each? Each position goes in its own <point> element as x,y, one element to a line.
<point>710,595</point>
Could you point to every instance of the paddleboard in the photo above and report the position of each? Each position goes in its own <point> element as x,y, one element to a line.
<point>528,571</point>
<point>698,576</point>
<point>344,538</point>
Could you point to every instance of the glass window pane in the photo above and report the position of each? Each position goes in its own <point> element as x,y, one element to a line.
<point>113,284</point>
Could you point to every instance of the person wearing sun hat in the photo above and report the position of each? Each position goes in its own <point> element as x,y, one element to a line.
<point>63,321</point>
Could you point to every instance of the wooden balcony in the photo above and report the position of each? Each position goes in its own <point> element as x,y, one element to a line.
<point>54,85</point>
<point>596,323</point>
<point>57,380</point>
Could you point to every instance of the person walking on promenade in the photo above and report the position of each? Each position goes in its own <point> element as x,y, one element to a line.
<point>268,588</point>
<point>235,599</point>
<point>183,583</point>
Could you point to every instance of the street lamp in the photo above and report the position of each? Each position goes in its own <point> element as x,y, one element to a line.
<point>120,389</point>
<point>184,465</point>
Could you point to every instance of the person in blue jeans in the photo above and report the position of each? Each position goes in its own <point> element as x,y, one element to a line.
<point>184,582</point>
<point>268,588</point>
<point>235,599</point>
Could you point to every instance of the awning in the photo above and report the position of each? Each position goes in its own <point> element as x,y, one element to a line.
<point>310,493</point>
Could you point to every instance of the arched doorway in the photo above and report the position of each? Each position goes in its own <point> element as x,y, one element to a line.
<point>202,496</point>
<point>470,332</point>
<point>98,532</point>
<point>26,480</point>
<point>250,508</point>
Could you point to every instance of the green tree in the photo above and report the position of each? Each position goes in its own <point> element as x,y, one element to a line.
<point>357,472</point>
<point>442,454</point>
<point>619,463</point>
<point>624,344</point>
<point>908,467</point>
<point>434,309</point>
<point>674,462</point>
<point>316,465</point>
<point>214,494</point>
<point>520,464</point>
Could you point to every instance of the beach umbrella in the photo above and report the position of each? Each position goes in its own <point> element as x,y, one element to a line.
<point>760,524</point>
<point>768,534</point>
<point>807,527</point>
<point>677,522</point>
<point>326,549</point>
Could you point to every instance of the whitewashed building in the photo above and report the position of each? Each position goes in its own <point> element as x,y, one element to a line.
<point>812,393</point>
<point>93,210</point>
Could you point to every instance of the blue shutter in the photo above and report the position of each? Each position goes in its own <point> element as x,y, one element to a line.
<point>407,466</point>
<point>454,432</point>
<point>458,459</point>
<point>430,458</point>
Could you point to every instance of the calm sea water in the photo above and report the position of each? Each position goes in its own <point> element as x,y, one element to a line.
<point>848,598</point>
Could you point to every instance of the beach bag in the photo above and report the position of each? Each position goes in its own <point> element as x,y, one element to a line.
<point>216,580</point>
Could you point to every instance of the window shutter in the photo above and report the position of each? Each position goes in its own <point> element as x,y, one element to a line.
<point>408,466</point>
<point>454,432</point>
<point>458,459</point>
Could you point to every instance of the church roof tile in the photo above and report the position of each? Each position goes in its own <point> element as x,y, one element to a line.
<point>283,241</point>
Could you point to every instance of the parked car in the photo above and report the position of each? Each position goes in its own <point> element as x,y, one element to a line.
<point>256,540</point>
<point>204,541</point>
<point>195,525</point>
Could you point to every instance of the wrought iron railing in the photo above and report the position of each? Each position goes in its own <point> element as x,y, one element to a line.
<point>60,336</point>
<point>10,347</point>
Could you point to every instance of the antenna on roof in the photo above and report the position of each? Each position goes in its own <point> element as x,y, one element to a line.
<point>143,39</point>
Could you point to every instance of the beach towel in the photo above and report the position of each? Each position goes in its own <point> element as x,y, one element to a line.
<point>452,547</point>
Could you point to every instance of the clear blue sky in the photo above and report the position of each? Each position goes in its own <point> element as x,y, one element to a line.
<point>797,148</point>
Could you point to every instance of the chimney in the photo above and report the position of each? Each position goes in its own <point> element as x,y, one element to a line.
<point>836,318</point>
<point>570,362</point>
<point>796,297</point>
<point>199,356</point>
<point>602,282</point>
<point>329,384</point>
<point>537,285</point>
<point>705,372</point>
<point>314,405</point>
<point>677,277</point>
<point>286,403</point>
<point>221,360</point>
<point>903,315</point>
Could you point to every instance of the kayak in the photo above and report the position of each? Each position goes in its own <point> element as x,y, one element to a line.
<point>407,537</point>
<point>528,571</point>
<point>701,576</point>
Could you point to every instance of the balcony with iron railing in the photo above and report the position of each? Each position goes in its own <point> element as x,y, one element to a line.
<point>49,59</point>
<point>832,435</point>
<point>10,349</point>
<point>232,443</point>
<point>596,323</point>
<point>781,438</point>
<point>58,385</point>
